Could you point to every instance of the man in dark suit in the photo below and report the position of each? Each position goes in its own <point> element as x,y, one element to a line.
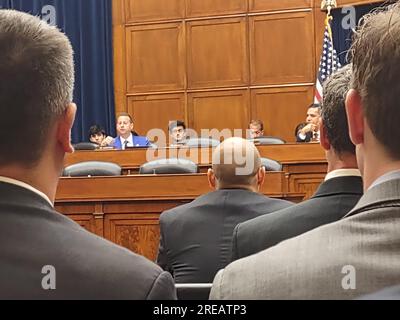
<point>44,255</point>
<point>310,132</point>
<point>196,238</point>
<point>335,197</point>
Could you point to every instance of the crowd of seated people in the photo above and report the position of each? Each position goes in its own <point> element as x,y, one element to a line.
<point>178,135</point>
<point>343,243</point>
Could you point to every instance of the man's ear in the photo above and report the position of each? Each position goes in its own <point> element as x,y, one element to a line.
<point>261,176</point>
<point>211,178</point>
<point>355,117</point>
<point>65,123</point>
<point>323,137</point>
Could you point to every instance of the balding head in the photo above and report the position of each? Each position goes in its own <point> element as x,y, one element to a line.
<point>236,164</point>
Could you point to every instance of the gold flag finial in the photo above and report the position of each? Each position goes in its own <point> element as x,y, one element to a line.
<point>328,5</point>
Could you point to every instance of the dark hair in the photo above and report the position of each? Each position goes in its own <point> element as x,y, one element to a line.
<point>36,84</point>
<point>314,105</point>
<point>375,56</point>
<point>96,129</point>
<point>176,123</point>
<point>334,117</point>
<point>257,123</point>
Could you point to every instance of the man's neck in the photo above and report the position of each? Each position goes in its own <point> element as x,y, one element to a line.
<point>126,136</point>
<point>36,178</point>
<point>43,176</point>
<point>238,187</point>
<point>343,161</point>
<point>372,171</point>
<point>376,160</point>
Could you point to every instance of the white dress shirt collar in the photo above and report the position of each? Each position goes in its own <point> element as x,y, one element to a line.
<point>130,141</point>
<point>25,186</point>
<point>342,173</point>
<point>392,175</point>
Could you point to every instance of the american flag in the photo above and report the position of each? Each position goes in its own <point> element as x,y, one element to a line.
<point>329,60</point>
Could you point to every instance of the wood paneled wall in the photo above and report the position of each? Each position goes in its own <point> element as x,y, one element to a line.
<point>217,63</point>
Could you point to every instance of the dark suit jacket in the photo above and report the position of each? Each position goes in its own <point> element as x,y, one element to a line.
<point>137,142</point>
<point>308,138</point>
<point>332,201</point>
<point>196,237</point>
<point>33,235</point>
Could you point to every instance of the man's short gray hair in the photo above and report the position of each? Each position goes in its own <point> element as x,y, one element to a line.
<point>36,84</point>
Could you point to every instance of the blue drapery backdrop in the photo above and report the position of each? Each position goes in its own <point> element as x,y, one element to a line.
<point>88,24</point>
<point>342,36</point>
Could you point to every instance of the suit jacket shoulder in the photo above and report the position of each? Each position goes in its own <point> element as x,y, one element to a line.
<point>196,238</point>
<point>307,138</point>
<point>331,202</point>
<point>315,264</point>
<point>140,141</point>
<point>87,266</point>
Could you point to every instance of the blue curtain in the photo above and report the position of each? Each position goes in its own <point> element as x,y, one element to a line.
<point>342,37</point>
<point>5,4</point>
<point>88,24</point>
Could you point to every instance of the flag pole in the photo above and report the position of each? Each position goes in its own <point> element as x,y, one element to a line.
<point>328,5</point>
<point>329,61</point>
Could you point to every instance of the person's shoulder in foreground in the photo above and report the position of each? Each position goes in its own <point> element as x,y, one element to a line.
<point>44,255</point>
<point>34,237</point>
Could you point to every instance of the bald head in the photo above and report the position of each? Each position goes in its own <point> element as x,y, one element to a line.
<point>236,164</point>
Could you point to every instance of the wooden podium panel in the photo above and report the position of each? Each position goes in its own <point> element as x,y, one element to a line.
<point>273,5</point>
<point>268,51</point>
<point>126,209</point>
<point>155,57</point>
<point>198,8</point>
<point>213,45</point>
<point>150,10</point>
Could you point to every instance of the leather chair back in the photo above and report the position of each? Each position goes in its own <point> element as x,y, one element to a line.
<point>169,166</point>
<point>92,168</point>
<point>202,142</point>
<point>271,165</point>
